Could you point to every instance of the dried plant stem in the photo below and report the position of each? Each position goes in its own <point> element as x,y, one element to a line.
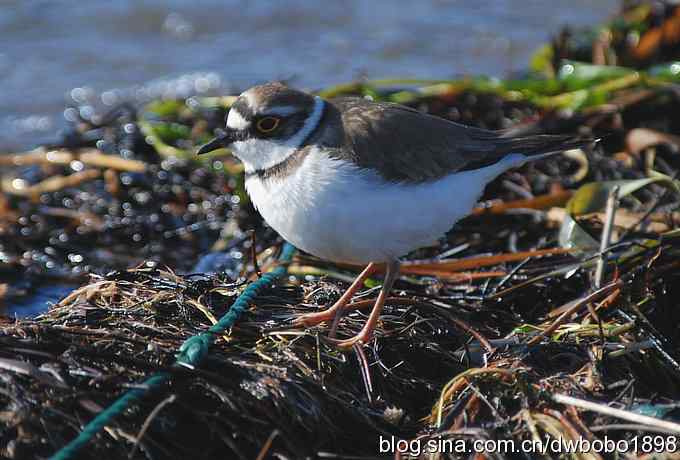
<point>618,413</point>
<point>576,305</point>
<point>605,241</point>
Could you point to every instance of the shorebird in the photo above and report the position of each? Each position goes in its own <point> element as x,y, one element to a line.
<point>364,182</point>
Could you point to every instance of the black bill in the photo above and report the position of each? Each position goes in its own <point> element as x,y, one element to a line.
<point>222,140</point>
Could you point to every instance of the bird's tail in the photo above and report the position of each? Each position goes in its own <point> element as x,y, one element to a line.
<point>543,145</point>
<point>498,145</point>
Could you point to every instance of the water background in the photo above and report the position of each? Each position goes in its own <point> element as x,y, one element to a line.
<point>125,47</point>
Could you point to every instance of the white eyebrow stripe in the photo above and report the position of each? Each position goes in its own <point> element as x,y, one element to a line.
<point>282,111</point>
<point>309,125</point>
<point>236,121</point>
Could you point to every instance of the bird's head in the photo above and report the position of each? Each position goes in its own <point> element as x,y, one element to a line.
<point>267,123</point>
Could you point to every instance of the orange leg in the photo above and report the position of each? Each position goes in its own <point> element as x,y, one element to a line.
<point>311,319</point>
<point>366,333</point>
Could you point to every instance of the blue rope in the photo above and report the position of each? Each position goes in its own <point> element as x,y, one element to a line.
<point>192,352</point>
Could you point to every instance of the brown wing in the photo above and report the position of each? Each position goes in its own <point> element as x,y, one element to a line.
<point>407,145</point>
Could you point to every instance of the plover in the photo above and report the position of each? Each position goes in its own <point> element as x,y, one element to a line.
<point>364,182</point>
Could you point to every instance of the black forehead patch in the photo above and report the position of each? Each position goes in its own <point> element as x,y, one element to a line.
<point>241,106</point>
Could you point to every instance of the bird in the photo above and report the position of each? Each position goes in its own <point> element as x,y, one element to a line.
<point>352,180</point>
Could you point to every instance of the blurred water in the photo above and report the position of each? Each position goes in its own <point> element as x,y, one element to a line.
<point>49,47</point>
<point>36,302</point>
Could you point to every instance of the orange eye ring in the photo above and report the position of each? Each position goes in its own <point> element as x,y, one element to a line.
<point>267,124</point>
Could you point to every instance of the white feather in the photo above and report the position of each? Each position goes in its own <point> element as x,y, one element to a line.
<point>236,121</point>
<point>260,153</point>
<point>337,211</point>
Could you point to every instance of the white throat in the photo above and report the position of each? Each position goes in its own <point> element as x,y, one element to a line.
<point>259,154</point>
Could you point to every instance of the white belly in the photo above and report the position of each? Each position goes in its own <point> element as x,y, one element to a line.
<point>336,211</point>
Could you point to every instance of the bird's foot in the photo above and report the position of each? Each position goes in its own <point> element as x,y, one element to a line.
<point>340,306</point>
<point>312,319</point>
<point>362,338</point>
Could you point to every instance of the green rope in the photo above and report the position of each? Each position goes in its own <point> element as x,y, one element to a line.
<point>192,351</point>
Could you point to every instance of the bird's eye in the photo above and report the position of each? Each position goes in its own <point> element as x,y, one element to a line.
<point>267,124</point>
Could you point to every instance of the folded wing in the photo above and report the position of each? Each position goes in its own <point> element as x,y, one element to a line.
<point>408,145</point>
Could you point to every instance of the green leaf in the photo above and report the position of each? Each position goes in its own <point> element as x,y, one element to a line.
<point>573,100</point>
<point>666,71</point>
<point>573,236</point>
<point>371,92</point>
<point>578,75</point>
<point>371,283</point>
<point>165,108</point>
<point>161,147</point>
<point>534,86</point>
<point>541,61</point>
<point>171,132</point>
<point>592,197</point>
